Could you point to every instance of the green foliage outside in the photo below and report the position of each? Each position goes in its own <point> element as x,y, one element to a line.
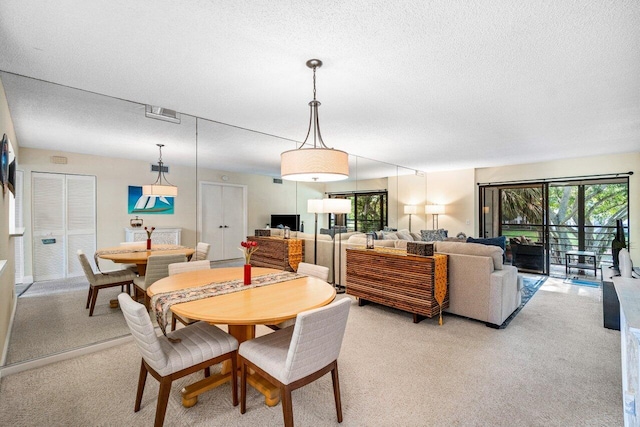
<point>523,213</point>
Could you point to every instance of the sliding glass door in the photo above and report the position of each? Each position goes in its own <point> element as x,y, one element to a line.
<point>544,220</point>
<point>583,217</point>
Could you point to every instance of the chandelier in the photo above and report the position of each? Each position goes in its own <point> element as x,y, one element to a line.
<point>161,187</point>
<point>318,163</point>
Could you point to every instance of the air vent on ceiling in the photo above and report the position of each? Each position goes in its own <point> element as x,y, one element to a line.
<point>154,168</point>
<point>277,180</point>
<point>160,113</point>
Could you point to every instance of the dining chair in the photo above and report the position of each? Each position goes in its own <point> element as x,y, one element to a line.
<point>157,268</point>
<point>132,267</point>
<point>319,271</point>
<point>201,345</point>
<point>202,252</point>
<point>184,267</point>
<point>296,356</point>
<point>103,280</point>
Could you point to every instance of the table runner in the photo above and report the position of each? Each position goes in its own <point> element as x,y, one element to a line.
<point>295,253</point>
<point>440,290</point>
<point>162,302</point>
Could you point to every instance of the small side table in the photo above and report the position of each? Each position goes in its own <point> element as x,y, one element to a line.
<point>582,256</point>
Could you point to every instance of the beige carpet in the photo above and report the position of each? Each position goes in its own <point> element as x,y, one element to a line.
<point>554,365</point>
<point>51,317</point>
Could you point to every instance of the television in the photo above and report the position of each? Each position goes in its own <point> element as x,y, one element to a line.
<point>280,221</point>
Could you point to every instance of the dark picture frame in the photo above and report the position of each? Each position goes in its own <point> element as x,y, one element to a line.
<point>4,163</point>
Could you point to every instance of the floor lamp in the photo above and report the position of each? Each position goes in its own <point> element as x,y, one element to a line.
<point>434,210</point>
<point>315,206</point>
<point>410,209</point>
<point>337,206</point>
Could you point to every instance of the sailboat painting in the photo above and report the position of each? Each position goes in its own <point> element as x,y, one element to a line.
<point>139,204</point>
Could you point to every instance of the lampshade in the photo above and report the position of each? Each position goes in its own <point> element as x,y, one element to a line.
<point>317,162</point>
<point>159,190</point>
<point>336,206</point>
<point>410,209</point>
<point>314,165</point>
<point>434,209</point>
<point>161,187</point>
<point>315,206</point>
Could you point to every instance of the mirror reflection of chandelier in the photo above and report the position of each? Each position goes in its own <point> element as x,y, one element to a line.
<point>318,163</point>
<point>161,187</point>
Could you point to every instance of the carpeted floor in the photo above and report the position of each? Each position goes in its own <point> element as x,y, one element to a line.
<point>530,285</point>
<point>554,365</point>
<point>51,317</point>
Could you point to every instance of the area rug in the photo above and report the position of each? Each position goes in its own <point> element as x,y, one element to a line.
<point>581,282</point>
<point>530,286</point>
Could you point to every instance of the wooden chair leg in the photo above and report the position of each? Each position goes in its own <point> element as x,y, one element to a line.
<point>234,379</point>
<point>89,296</point>
<point>287,408</point>
<point>163,400</point>
<point>142,379</point>
<point>243,386</point>
<point>94,297</point>
<point>336,391</point>
<point>173,324</point>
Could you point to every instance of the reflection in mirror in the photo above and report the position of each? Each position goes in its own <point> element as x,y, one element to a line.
<point>112,140</point>
<point>68,138</point>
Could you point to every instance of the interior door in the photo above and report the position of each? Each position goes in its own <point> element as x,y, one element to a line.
<point>64,218</point>
<point>223,217</point>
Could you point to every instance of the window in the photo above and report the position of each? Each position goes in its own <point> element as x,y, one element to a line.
<point>368,211</point>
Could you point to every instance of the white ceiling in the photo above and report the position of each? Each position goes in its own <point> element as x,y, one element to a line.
<point>428,85</point>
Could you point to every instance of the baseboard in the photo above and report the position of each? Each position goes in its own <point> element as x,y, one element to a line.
<point>46,360</point>
<point>7,339</point>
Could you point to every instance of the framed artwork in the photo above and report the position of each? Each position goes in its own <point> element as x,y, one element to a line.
<point>4,162</point>
<point>140,204</point>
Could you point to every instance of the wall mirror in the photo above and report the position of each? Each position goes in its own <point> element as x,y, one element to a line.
<point>122,151</point>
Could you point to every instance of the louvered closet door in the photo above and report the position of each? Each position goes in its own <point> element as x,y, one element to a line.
<point>63,209</point>
<point>81,220</point>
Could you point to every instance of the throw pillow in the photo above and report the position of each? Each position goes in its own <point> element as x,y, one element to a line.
<point>416,236</point>
<point>492,241</point>
<point>387,235</point>
<point>404,235</point>
<point>433,235</point>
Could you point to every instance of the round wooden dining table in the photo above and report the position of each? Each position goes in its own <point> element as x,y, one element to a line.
<point>242,311</point>
<point>138,255</point>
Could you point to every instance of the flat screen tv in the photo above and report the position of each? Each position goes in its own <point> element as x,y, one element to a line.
<point>280,221</point>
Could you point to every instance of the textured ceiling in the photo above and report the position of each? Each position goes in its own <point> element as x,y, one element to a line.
<point>428,85</point>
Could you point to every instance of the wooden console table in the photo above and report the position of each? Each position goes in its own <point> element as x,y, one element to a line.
<point>397,279</point>
<point>277,252</point>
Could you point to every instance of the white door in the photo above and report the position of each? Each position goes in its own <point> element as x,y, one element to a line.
<point>64,220</point>
<point>223,218</point>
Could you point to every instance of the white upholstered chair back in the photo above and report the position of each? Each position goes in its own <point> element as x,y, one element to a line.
<point>316,340</point>
<point>143,332</point>
<point>202,252</point>
<point>158,267</point>
<point>86,267</point>
<point>183,267</point>
<point>319,271</point>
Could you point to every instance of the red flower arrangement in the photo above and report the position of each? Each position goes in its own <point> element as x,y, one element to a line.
<point>149,231</point>
<point>248,248</point>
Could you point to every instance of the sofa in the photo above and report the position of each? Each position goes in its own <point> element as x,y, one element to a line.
<point>481,286</point>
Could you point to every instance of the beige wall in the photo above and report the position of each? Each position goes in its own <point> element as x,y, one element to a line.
<point>456,190</point>
<point>584,166</point>
<point>7,279</point>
